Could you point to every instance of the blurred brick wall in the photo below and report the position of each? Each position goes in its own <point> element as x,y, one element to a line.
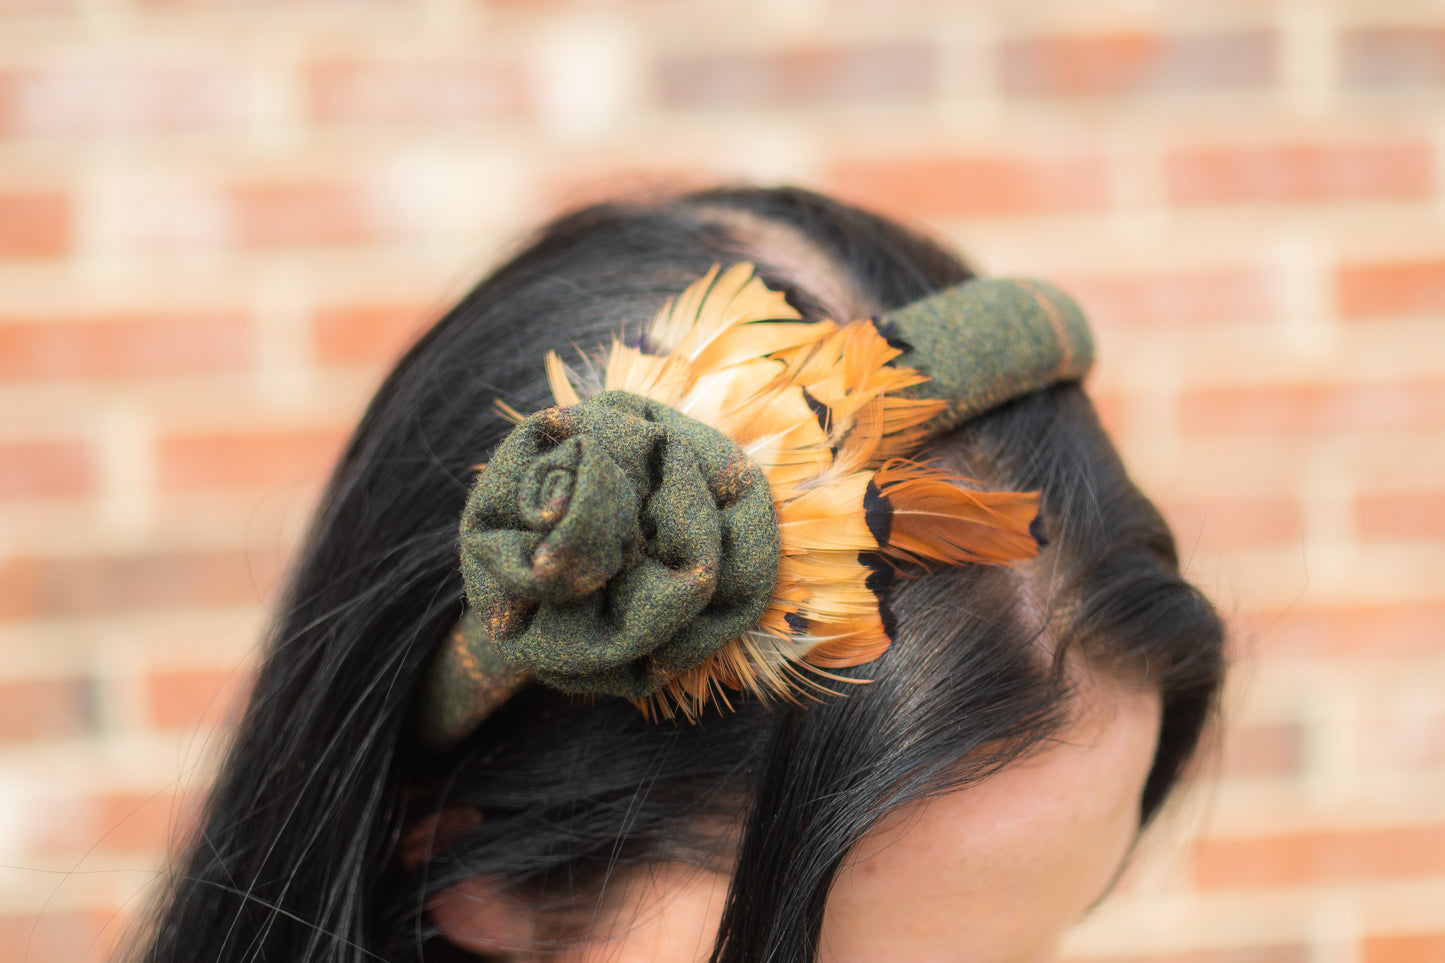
<point>219,221</point>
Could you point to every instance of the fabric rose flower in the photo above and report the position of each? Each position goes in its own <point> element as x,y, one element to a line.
<point>610,544</point>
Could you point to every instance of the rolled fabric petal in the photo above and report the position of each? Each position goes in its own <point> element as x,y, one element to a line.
<point>580,512</point>
<point>611,544</point>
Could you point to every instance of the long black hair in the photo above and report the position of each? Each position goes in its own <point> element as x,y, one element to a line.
<point>295,857</point>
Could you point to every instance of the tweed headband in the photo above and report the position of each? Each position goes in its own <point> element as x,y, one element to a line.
<point>720,507</point>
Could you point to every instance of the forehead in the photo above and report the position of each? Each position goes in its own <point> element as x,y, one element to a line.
<point>996,872</point>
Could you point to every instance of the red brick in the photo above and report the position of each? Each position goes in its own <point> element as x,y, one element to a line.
<point>1227,294</point>
<point>297,213</point>
<point>59,826</point>
<point>184,698</point>
<point>1405,948</point>
<point>124,347</point>
<point>1266,750</point>
<point>1320,858</point>
<point>1404,735</point>
<point>1393,58</point>
<point>368,92</point>
<point>126,822</point>
<point>133,823</point>
<point>1400,632</point>
<point>1269,953</point>
<point>37,6</point>
<point>1234,523</point>
<point>578,183</point>
<point>1284,409</point>
<point>36,709</point>
<point>1404,515</point>
<point>368,334</point>
<point>1114,410</point>
<point>34,225</point>
<point>45,469</point>
<point>529,6</point>
<point>246,460</point>
<point>286,6</point>
<point>33,588</point>
<point>121,98</point>
<point>1385,289</point>
<point>797,78</point>
<point>1133,63</point>
<point>978,185</point>
<point>1301,173</point>
<point>59,936</point>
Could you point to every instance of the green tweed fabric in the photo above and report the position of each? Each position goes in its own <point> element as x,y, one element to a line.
<point>468,681</point>
<point>988,341</point>
<point>611,544</point>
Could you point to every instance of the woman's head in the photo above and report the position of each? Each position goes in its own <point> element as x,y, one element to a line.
<point>323,839</point>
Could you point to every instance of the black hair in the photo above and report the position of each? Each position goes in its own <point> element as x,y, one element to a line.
<point>295,857</point>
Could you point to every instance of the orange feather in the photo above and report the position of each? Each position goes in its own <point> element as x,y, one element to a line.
<point>842,653</point>
<point>559,379</point>
<point>936,520</point>
<point>829,518</point>
<point>711,308</point>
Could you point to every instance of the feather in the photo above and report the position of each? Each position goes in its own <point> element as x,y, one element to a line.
<point>732,396</point>
<point>840,602</point>
<point>757,339</point>
<point>936,520</point>
<point>559,379</point>
<point>830,518</point>
<point>662,379</point>
<point>508,412</point>
<point>861,642</point>
<point>679,315</point>
<point>711,307</point>
<point>903,426</point>
<point>773,425</point>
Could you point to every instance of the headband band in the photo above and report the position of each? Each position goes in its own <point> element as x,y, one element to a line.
<point>724,509</point>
